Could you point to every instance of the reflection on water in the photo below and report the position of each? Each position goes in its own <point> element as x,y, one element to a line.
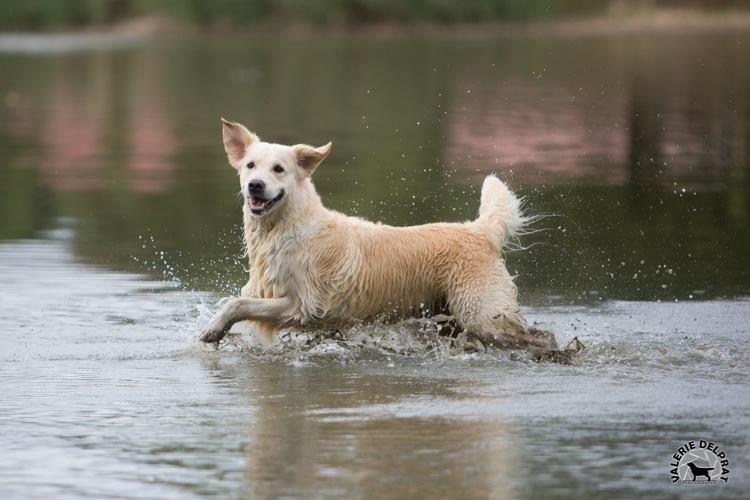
<point>326,441</point>
<point>108,394</point>
<point>652,112</point>
<point>623,141</point>
<point>636,149</point>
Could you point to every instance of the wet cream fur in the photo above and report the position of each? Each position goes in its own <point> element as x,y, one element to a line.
<point>309,264</point>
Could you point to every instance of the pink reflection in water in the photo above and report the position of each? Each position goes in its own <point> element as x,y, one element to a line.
<point>71,139</point>
<point>542,136</point>
<point>82,135</point>
<point>150,165</point>
<point>553,134</point>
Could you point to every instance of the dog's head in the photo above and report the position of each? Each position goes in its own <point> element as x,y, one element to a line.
<point>269,173</point>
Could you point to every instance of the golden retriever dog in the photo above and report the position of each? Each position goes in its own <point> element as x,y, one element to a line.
<point>309,264</point>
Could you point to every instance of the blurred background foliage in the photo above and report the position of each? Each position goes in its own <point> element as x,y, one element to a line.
<point>58,14</point>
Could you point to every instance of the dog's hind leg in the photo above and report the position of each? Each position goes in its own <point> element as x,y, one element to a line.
<point>489,309</point>
<point>240,309</point>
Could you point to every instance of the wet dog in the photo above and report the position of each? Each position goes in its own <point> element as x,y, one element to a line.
<point>309,264</point>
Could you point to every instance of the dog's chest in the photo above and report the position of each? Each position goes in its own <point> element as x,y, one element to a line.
<point>275,261</point>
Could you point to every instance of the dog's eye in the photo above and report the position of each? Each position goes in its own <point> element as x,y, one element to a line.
<point>251,164</point>
<point>278,168</point>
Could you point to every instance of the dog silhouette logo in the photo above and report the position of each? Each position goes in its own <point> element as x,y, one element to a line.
<point>700,471</point>
<point>699,462</point>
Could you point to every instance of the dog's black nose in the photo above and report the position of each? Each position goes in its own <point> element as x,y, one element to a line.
<point>256,187</point>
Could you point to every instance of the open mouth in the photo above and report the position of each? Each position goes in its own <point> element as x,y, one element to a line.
<point>260,205</point>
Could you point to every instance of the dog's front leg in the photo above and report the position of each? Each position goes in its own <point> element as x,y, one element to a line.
<point>241,309</point>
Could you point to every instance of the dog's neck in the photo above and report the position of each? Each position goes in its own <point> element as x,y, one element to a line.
<point>271,239</point>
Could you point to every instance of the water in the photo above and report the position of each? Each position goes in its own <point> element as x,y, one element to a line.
<point>120,233</point>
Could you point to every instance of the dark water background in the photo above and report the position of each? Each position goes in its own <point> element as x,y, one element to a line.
<point>120,230</point>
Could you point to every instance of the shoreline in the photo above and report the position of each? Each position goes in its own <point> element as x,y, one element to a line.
<point>646,22</point>
<point>660,20</point>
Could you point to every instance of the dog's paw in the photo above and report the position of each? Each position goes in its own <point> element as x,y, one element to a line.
<point>566,356</point>
<point>575,346</point>
<point>212,335</point>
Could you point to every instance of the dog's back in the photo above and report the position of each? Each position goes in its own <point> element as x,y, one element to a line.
<point>359,269</point>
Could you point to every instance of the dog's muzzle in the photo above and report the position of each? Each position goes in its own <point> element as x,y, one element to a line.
<point>259,204</point>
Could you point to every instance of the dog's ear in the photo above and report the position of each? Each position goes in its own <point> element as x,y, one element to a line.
<point>308,157</point>
<point>236,141</point>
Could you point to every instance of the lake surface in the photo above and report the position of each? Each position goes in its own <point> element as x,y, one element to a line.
<point>120,232</point>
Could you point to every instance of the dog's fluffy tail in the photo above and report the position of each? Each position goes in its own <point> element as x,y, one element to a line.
<point>500,214</point>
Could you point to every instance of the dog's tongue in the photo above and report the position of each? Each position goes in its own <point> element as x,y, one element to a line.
<point>257,202</point>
